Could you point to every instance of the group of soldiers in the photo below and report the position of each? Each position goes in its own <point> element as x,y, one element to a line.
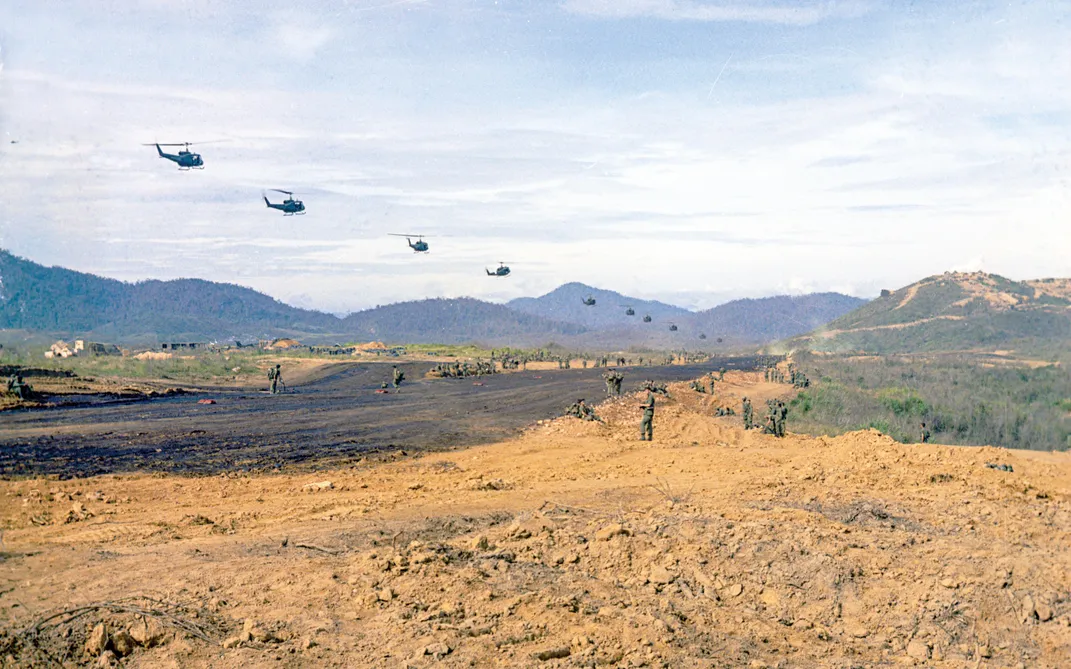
<point>613,379</point>
<point>579,409</point>
<point>795,376</point>
<point>18,387</point>
<point>776,415</point>
<point>457,370</point>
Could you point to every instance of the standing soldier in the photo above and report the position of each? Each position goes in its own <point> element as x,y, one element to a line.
<point>747,414</point>
<point>647,424</point>
<point>275,375</point>
<point>399,376</point>
<point>782,415</point>
<point>925,434</point>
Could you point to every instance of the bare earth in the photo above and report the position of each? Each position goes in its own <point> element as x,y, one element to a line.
<point>572,545</point>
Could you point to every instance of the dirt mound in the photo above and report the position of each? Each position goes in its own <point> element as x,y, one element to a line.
<point>573,545</point>
<point>153,355</point>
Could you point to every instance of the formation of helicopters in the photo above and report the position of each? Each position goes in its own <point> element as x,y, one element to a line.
<point>189,160</point>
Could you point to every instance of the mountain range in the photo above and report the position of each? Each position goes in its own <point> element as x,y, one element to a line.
<point>66,303</point>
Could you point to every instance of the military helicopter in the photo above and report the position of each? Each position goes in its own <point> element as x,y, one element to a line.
<point>672,328</point>
<point>289,206</point>
<point>646,319</point>
<point>629,311</point>
<point>420,246</point>
<point>185,159</point>
<point>502,270</point>
<point>702,336</point>
<point>589,301</point>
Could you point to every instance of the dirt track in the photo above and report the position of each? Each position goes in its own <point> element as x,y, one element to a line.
<point>329,421</point>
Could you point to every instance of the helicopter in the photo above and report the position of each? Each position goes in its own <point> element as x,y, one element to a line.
<point>420,246</point>
<point>589,301</point>
<point>629,311</point>
<point>184,158</point>
<point>646,319</point>
<point>702,336</point>
<point>672,328</point>
<point>501,271</point>
<point>289,206</point>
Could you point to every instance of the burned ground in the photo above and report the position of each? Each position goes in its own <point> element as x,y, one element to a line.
<point>328,422</point>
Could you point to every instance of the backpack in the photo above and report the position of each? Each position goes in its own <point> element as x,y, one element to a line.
<point>271,374</point>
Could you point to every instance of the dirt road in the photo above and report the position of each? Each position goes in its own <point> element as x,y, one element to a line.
<point>327,422</point>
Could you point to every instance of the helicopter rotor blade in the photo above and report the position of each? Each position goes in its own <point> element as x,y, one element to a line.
<point>278,190</point>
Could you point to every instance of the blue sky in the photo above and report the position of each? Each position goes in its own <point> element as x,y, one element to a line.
<point>682,150</point>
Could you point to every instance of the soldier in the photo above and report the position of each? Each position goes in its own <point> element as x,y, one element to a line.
<point>647,424</point>
<point>925,434</point>
<point>782,415</point>
<point>608,378</point>
<point>399,376</point>
<point>21,389</point>
<point>275,375</point>
<point>747,414</point>
<point>712,384</point>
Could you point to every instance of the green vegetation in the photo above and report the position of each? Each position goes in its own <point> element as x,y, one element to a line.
<point>961,400</point>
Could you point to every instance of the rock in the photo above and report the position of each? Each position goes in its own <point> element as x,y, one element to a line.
<point>317,487</point>
<point>97,642</point>
<point>856,630</point>
<point>385,595</point>
<point>1044,612</point>
<point>661,575</point>
<point>307,643</point>
<point>1028,610</point>
<point>949,583</point>
<point>553,654</point>
<point>918,650</point>
<point>438,650</point>
<point>235,641</point>
<point>147,633</point>
<point>123,643</point>
<point>107,660</point>
<point>481,543</point>
<point>611,531</point>
<point>734,590</point>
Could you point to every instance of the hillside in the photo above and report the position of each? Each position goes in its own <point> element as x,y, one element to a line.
<point>54,299</point>
<point>454,321</point>
<point>955,311</point>
<point>772,318</point>
<point>565,303</point>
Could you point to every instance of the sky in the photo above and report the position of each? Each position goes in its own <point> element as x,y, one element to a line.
<point>690,151</point>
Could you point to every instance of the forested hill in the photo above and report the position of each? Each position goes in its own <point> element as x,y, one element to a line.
<point>452,321</point>
<point>54,299</point>
<point>772,318</point>
<point>956,311</point>
<point>566,303</point>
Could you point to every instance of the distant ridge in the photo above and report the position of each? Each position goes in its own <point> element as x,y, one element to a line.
<point>565,303</point>
<point>65,303</point>
<point>956,311</point>
<point>453,321</point>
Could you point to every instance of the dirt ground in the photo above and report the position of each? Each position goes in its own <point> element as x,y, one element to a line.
<point>570,545</point>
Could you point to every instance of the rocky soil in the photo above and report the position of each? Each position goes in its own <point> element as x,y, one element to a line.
<point>574,545</point>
